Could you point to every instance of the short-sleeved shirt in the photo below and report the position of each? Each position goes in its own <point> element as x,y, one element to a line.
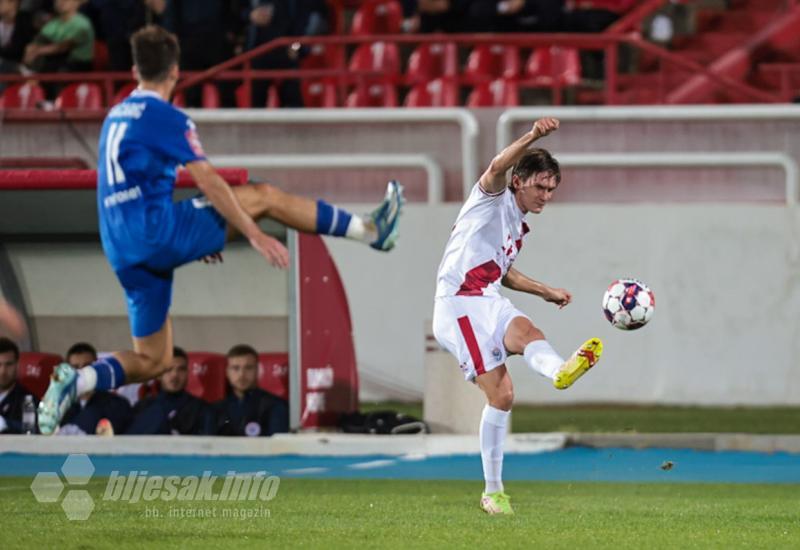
<point>143,142</point>
<point>145,235</point>
<point>484,243</point>
<point>78,29</point>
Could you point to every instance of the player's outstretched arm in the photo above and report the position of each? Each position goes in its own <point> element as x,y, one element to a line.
<point>224,200</point>
<point>515,280</point>
<point>493,179</point>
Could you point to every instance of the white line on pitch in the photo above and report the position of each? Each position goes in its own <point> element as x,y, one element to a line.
<point>370,464</point>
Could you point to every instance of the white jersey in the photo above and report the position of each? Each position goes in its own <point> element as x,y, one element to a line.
<point>485,241</point>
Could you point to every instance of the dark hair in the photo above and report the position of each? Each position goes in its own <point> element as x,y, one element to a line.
<point>536,161</point>
<point>180,352</point>
<point>242,349</point>
<point>7,345</point>
<point>155,51</point>
<point>82,347</point>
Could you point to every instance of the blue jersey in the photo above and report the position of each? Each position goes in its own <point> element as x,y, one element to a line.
<point>143,142</point>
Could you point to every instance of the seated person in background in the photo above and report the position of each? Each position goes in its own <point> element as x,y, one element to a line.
<point>249,410</point>
<point>85,416</point>
<point>12,393</point>
<point>516,15</point>
<point>16,31</point>
<point>173,410</point>
<point>65,43</point>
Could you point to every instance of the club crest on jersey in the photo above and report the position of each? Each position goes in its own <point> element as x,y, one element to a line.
<point>497,354</point>
<point>193,139</point>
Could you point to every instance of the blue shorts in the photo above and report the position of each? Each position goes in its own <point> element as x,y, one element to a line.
<point>196,230</point>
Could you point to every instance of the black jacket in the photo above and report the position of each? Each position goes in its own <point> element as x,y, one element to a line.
<point>172,413</point>
<point>11,408</point>
<point>20,38</point>
<point>101,404</point>
<point>258,413</point>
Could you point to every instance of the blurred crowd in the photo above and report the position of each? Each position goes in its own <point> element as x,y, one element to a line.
<point>62,35</point>
<point>160,408</point>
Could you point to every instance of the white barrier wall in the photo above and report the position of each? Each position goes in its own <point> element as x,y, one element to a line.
<point>71,295</point>
<point>726,280</point>
<point>725,330</point>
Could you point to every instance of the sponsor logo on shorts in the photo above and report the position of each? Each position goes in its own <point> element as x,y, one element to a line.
<point>497,354</point>
<point>201,202</point>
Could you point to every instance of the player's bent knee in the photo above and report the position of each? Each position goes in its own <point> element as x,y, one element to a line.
<point>267,198</point>
<point>503,400</point>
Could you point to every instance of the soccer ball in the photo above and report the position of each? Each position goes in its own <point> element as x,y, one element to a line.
<point>628,304</point>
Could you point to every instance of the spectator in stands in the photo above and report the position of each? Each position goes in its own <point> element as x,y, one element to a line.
<point>16,31</point>
<point>115,21</point>
<point>271,19</point>
<point>173,410</point>
<point>249,410</point>
<point>206,31</point>
<point>516,15</point>
<point>101,412</point>
<point>12,393</point>
<point>594,15</point>
<point>436,15</point>
<point>65,43</point>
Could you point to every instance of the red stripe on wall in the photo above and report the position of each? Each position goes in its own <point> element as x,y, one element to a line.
<point>472,344</point>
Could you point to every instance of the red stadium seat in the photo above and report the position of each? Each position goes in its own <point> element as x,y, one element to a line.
<point>34,370</point>
<point>211,98</point>
<point>378,17</point>
<point>554,67</point>
<point>436,93</point>
<point>323,56</point>
<point>379,56</point>
<point>123,92</point>
<point>430,61</point>
<point>22,96</point>
<point>273,373</point>
<point>376,94</point>
<point>273,99</point>
<point>207,375</point>
<point>319,93</point>
<point>491,61</point>
<point>179,100</point>
<point>498,93</point>
<point>82,95</point>
<point>100,59</point>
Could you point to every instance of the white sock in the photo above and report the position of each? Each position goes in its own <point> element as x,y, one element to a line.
<point>359,230</point>
<point>492,435</point>
<point>87,380</point>
<point>542,358</point>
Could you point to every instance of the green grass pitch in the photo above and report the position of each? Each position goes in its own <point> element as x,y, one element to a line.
<point>431,514</point>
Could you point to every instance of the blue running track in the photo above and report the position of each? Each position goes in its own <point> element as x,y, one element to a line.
<point>572,464</point>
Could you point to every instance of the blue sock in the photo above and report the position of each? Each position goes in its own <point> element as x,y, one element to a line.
<point>332,220</point>
<point>109,374</point>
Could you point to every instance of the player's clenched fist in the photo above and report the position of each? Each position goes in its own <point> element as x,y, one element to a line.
<point>544,126</point>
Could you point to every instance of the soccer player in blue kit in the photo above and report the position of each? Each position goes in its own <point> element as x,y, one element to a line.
<point>146,235</point>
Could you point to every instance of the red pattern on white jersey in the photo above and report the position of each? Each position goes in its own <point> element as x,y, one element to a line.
<point>485,241</point>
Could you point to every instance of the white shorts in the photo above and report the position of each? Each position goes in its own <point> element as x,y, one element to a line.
<point>473,328</point>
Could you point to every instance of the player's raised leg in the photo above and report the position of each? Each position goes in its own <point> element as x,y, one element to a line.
<point>523,338</point>
<point>150,357</point>
<point>378,229</point>
<point>499,390</point>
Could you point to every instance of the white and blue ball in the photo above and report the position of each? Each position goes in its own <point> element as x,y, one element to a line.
<point>628,304</point>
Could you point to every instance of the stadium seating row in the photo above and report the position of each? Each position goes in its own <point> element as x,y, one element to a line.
<point>494,71</point>
<point>206,373</point>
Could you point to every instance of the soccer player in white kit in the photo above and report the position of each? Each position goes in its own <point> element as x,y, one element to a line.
<point>478,325</point>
